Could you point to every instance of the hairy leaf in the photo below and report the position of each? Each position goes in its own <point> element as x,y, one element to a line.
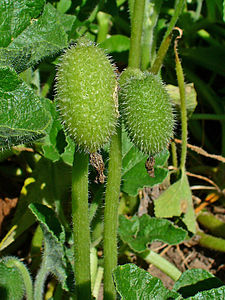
<point>23,117</point>
<point>16,16</point>
<point>54,256</point>
<point>139,232</point>
<point>135,283</point>
<point>41,38</point>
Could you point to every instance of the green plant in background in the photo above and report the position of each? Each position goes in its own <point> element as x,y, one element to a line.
<point>95,111</point>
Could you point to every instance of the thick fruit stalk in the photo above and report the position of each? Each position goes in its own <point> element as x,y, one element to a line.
<point>87,100</point>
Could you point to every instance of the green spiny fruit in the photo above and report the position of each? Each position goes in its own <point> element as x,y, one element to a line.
<point>87,95</point>
<point>146,110</point>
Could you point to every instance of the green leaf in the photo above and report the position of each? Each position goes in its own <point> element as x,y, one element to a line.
<point>23,117</point>
<point>213,294</point>
<point>191,96</point>
<point>43,37</point>
<point>54,257</point>
<point>11,282</point>
<point>48,220</point>
<point>116,43</point>
<point>63,5</point>
<point>134,174</point>
<point>135,283</point>
<point>193,281</point>
<point>56,144</point>
<point>50,183</point>
<point>138,233</point>
<point>16,16</point>
<point>177,201</point>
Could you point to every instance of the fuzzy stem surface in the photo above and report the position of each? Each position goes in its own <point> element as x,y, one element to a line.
<point>111,214</point>
<point>184,126</point>
<point>14,262</point>
<point>136,33</point>
<point>81,232</point>
<point>40,281</point>
<point>167,38</point>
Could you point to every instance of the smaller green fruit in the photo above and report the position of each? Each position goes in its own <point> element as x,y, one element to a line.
<point>147,111</point>
<point>87,95</point>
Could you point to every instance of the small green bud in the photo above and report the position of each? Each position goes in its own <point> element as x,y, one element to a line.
<point>87,95</point>
<point>147,111</point>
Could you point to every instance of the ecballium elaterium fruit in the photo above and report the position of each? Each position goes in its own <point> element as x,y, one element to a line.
<point>87,95</point>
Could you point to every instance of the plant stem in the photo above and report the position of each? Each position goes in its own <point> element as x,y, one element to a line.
<point>208,117</point>
<point>167,38</point>
<point>174,154</point>
<point>40,281</point>
<point>211,242</point>
<point>161,263</point>
<point>81,230</point>
<point>136,32</point>
<point>103,22</point>
<point>214,225</point>
<point>180,79</point>
<point>111,214</point>
<point>14,262</point>
<point>161,54</point>
<point>98,281</point>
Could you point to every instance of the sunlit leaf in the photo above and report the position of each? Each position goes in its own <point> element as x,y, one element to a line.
<point>177,201</point>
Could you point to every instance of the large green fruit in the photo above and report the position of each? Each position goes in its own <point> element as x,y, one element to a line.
<point>146,110</point>
<point>87,95</point>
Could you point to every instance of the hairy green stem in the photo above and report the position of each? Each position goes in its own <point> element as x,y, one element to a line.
<point>167,38</point>
<point>40,281</point>
<point>15,262</point>
<point>161,263</point>
<point>180,79</point>
<point>111,214</point>
<point>160,55</point>
<point>174,154</point>
<point>81,232</point>
<point>136,33</point>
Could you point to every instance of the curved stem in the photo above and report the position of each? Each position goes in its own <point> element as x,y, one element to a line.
<point>167,38</point>
<point>81,230</point>
<point>15,262</point>
<point>180,79</point>
<point>40,281</point>
<point>136,32</point>
<point>111,214</point>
